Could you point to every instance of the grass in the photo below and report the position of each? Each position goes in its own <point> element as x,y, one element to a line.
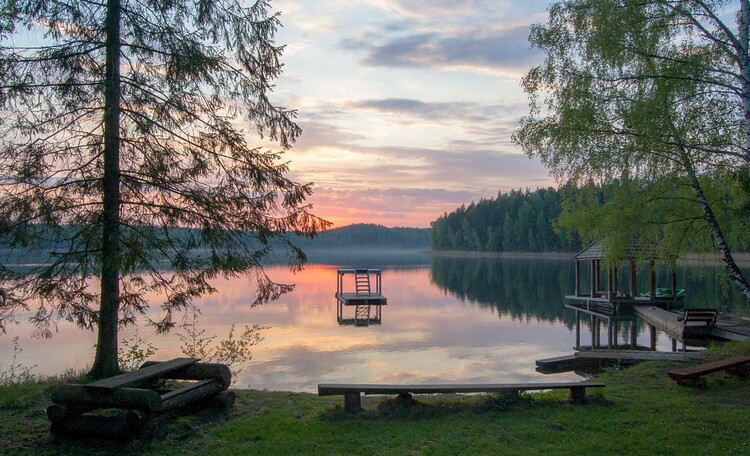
<point>641,411</point>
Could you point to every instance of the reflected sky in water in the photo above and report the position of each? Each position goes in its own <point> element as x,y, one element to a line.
<point>447,320</point>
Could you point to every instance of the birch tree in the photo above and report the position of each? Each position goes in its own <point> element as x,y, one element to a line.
<point>128,161</point>
<point>652,92</point>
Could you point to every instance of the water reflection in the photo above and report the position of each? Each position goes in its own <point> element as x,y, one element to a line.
<point>359,315</point>
<point>519,288</point>
<point>448,320</point>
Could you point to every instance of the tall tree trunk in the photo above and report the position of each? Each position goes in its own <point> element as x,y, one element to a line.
<point>726,254</point>
<point>105,362</point>
<point>743,23</point>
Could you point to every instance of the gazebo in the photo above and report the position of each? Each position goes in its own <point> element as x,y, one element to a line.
<point>599,279</point>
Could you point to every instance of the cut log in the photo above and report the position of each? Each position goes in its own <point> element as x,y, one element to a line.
<point>191,393</point>
<point>59,412</point>
<point>124,398</point>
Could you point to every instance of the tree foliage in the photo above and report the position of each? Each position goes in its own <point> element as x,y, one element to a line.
<point>368,235</point>
<point>121,120</point>
<point>654,94</point>
<point>517,221</point>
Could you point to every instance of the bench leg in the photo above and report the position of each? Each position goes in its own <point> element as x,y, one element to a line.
<point>353,402</point>
<point>697,382</point>
<point>577,395</point>
<point>405,399</point>
<point>740,371</point>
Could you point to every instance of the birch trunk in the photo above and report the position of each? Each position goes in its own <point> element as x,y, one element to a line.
<point>744,63</point>
<point>726,254</point>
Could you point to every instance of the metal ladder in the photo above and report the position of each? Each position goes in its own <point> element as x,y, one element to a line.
<point>362,281</point>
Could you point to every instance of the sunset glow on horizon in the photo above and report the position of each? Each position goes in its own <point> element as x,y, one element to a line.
<point>407,107</point>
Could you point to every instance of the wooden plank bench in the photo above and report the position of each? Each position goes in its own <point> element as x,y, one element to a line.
<point>698,321</point>
<point>136,393</point>
<point>353,399</point>
<point>694,376</point>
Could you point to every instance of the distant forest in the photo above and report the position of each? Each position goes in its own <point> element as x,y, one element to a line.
<point>518,221</point>
<point>368,235</point>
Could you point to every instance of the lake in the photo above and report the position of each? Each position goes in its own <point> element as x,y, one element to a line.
<point>448,319</point>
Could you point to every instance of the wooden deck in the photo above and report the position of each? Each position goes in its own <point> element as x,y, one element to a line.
<point>677,326</point>
<point>731,330</point>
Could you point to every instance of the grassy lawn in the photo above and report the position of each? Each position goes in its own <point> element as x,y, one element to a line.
<point>641,411</point>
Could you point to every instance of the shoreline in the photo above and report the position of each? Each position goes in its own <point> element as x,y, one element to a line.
<point>742,259</point>
<point>469,254</point>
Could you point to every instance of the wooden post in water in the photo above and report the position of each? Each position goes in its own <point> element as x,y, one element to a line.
<point>652,280</point>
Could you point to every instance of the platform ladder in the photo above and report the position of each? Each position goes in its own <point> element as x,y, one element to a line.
<point>362,281</point>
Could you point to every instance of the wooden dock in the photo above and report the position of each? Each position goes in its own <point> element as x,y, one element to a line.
<point>664,320</point>
<point>637,355</point>
<point>731,330</point>
<point>566,363</point>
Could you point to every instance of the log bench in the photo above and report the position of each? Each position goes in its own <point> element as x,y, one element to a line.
<point>353,392</point>
<point>140,393</point>
<point>694,376</point>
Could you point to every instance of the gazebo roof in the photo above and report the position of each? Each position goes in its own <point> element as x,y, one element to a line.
<point>635,249</point>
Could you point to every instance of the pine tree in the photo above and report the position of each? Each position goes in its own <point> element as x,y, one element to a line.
<point>122,149</point>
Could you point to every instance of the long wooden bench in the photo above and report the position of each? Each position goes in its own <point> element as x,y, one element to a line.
<point>694,376</point>
<point>137,392</point>
<point>353,392</point>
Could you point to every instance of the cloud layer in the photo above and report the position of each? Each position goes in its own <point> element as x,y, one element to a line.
<point>407,107</point>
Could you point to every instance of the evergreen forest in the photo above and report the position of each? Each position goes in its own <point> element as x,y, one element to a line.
<point>517,221</point>
<point>568,218</point>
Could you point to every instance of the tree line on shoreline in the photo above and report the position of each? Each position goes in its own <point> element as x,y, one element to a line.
<point>517,221</point>
<point>568,218</point>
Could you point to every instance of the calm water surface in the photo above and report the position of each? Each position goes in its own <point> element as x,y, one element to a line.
<point>447,320</point>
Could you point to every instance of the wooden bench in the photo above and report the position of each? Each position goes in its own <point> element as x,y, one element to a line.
<point>698,319</point>
<point>353,402</point>
<point>694,376</point>
<point>138,393</point>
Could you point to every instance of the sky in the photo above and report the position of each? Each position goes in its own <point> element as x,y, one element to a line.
<point>407,106</point>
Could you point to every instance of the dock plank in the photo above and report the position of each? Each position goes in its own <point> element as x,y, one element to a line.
<point>638,355</point>
<point>664,320</point>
